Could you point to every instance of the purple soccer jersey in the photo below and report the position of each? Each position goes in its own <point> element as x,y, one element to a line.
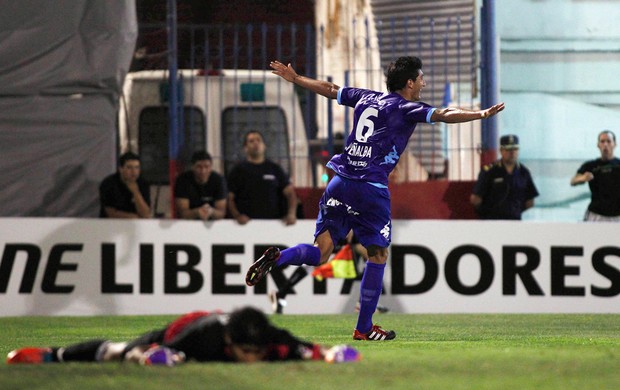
<point>383,123</point>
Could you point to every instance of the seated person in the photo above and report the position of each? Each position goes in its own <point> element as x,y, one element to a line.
<point>259,187</point>
<point>125,194</point>
<point>200,193</point>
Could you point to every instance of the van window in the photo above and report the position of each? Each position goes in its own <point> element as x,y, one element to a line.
<point>153,140</point>
<point>269,121</point>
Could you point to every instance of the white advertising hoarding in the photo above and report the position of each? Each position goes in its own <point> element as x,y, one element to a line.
<point>64,266</point>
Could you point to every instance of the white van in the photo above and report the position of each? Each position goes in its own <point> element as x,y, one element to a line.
<point>217,110</point>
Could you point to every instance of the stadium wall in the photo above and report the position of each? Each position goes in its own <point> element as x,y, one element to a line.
<point>68,266</point>
<point>436,199</point>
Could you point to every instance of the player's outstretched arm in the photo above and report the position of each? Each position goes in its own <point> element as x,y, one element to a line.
<point>458,115</point>
<point>325,88</point>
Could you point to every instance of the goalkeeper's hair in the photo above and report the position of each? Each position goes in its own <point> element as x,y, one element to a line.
<point>249,326</point>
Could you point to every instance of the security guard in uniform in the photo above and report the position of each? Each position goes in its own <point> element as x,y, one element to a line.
<point>504,188</point>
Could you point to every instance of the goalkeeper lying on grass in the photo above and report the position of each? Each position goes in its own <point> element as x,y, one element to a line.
<point>245,335</point>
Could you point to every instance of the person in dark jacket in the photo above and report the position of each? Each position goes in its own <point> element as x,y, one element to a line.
<point>505,188</point>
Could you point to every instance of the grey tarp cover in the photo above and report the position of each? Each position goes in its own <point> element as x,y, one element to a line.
<point>62,65</point>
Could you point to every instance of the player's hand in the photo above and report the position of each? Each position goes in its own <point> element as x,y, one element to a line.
<point>284,71</point>
<point>493,110</point>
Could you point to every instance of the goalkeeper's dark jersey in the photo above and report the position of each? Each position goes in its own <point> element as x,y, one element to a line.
<point>201,336</point>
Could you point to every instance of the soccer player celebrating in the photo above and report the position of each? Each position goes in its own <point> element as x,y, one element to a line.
<point>358,197</point>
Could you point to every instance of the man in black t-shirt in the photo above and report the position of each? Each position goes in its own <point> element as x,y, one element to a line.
<point>259,188</point>
<point>125,194</point>
<point>603,178</point>
<point>200,193</point>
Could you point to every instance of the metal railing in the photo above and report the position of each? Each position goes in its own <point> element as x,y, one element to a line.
<point>447,45</point>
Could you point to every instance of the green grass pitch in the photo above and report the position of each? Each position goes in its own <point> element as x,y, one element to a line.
<point>457,351</point>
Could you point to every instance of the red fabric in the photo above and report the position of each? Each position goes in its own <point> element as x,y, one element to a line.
<point>436,199</point>
<point>317,353</point>
<point>180,323</point>
<point>280,350</point>
<point>327,270</point>
<point>346,253</point>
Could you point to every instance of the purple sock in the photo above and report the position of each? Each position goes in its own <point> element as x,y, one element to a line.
<point>370,291</point>
<point>300,254</point>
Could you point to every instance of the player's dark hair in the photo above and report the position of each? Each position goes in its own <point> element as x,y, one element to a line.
<point>200,155</point>
<point>613,136</point>
<point>249,326</point>
<point>403,69</point>
<point>247,134</point>
<point>127,157</point>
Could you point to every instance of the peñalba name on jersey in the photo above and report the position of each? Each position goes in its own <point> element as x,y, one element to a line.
<point>382,125</point>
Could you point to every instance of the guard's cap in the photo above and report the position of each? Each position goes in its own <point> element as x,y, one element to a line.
<point>509,142</point>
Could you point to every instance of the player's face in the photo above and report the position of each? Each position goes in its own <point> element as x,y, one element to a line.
<point>418,85</point>
<point>247,353</point>
<point>130,171</point>
<point>202,170</point>
<point>606,145</point>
